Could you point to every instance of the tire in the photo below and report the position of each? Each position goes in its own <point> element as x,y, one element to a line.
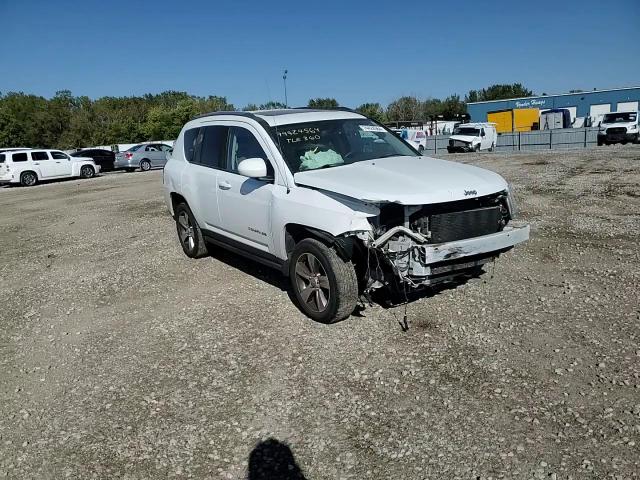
<point>28,179</point>
<point>145,165</point>
<point>599,143</point>
<point>87,171</point>
<point>492,147</point>
<point>329,300</point>
<point>189,233</point>
<point>420,149</point>
<point>477,148</point>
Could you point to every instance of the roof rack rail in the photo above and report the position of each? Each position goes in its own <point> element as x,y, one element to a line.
<point>227,112</point>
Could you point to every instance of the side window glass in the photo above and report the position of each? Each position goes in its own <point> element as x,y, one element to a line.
<point>59,156</point>
<point>242,145</point>
<point>1,157</point>
<point>39,156</point>
<point>190,137</point>
<point>165,148</point>
<point>20,157</point>
<point>213,146</point>
<point>482,132</point>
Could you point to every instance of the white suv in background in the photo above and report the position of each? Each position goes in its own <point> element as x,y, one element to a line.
<point>335,201</point>
<point>28,167</point>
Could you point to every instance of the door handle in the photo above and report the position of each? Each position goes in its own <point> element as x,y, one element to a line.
<point>224,185</point>
<point>57,162</point>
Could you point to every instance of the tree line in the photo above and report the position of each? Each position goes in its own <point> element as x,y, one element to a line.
<point>66,121</point>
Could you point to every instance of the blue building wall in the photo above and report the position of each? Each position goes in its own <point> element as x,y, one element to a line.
<point>582,101</point>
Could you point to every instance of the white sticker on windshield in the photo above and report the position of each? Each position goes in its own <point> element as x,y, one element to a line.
<point>371,128</point>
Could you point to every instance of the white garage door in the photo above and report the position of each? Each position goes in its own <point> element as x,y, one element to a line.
<point>599,110</point>
<point>627,107</point>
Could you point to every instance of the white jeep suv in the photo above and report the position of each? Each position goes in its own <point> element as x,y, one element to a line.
<point>335,201</point>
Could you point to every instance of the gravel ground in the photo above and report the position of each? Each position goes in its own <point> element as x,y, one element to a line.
<point>122,358</point>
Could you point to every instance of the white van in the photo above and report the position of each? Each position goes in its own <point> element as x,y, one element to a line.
<point>28,167</point>
<point>620,127</point>
<point>473,137</point>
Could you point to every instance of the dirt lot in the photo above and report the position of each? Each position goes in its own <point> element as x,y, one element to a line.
<point>122,358</point>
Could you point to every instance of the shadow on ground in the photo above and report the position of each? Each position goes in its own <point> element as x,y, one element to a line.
<point>273,460</point>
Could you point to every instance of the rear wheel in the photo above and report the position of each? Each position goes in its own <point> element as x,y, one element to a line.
<point>421,149</point>
<point>325,285</point>
<point>28,179</point>
<point>145,165</point>
<point>189,232</point>
<point>492,147</point>
<point>87,171</point>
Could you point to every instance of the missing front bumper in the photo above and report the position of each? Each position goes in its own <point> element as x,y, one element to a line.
<point>425,264</point>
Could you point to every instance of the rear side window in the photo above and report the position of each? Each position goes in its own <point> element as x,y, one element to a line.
<point>206,145</point>
<point>20,157</point>
<point>1,157</point>
<point>39,156</point>
<point>190,143</point>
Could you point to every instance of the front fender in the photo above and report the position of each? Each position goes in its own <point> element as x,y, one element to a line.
<point>325,212</point>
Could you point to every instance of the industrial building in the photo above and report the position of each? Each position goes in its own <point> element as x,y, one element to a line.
<point>567,110</point>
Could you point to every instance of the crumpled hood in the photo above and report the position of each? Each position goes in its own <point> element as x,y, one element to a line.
<point>405,180</point>
<point>463,138</point>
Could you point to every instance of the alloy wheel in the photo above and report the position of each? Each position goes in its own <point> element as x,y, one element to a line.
<point>186,231</point>
<point>312,283</point>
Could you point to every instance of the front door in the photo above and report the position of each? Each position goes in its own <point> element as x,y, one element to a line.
<point>245,203</point>
<point>62,163</point>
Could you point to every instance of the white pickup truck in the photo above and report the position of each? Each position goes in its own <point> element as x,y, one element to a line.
<point>335,201</point>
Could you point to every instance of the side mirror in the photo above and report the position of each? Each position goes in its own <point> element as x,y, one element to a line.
<point>253,168</point>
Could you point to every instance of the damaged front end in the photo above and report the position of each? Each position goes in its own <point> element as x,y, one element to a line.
<point>414,246</point>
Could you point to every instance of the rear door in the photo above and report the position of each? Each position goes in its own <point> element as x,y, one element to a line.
<point>204,148</point>
<point>245,203</point>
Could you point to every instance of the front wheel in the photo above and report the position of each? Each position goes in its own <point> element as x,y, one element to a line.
<point>189,233</point>
<point>145,165</point>
<point>87,171</point>
<point>421,149</point>
<point>477,149</point>
<point>325,285</point>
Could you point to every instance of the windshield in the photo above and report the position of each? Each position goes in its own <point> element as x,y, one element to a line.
<point>333,143</point>
<point>623,117</point>
<point>472,132</point>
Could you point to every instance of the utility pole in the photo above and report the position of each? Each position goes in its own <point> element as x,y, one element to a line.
<point>284,79</point>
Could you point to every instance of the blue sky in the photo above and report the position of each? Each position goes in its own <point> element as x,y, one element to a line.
<point>355,51</point>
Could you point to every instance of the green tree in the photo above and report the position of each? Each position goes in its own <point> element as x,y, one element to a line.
<point>498,92</point>
<point>323,103</point>
<point>406,108</point>
<point>373,111</point>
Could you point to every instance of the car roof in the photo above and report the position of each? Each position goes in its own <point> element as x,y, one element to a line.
<point>288,115</point>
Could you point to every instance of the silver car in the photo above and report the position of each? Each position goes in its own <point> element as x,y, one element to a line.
<point>144,156</point>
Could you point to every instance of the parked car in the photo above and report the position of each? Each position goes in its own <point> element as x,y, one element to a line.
<point>144,156</point>
<point>473,137</point>
<point>621,127</point>
<point>28,167</point>
<point>104,158</point>
<point>340,212</point>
